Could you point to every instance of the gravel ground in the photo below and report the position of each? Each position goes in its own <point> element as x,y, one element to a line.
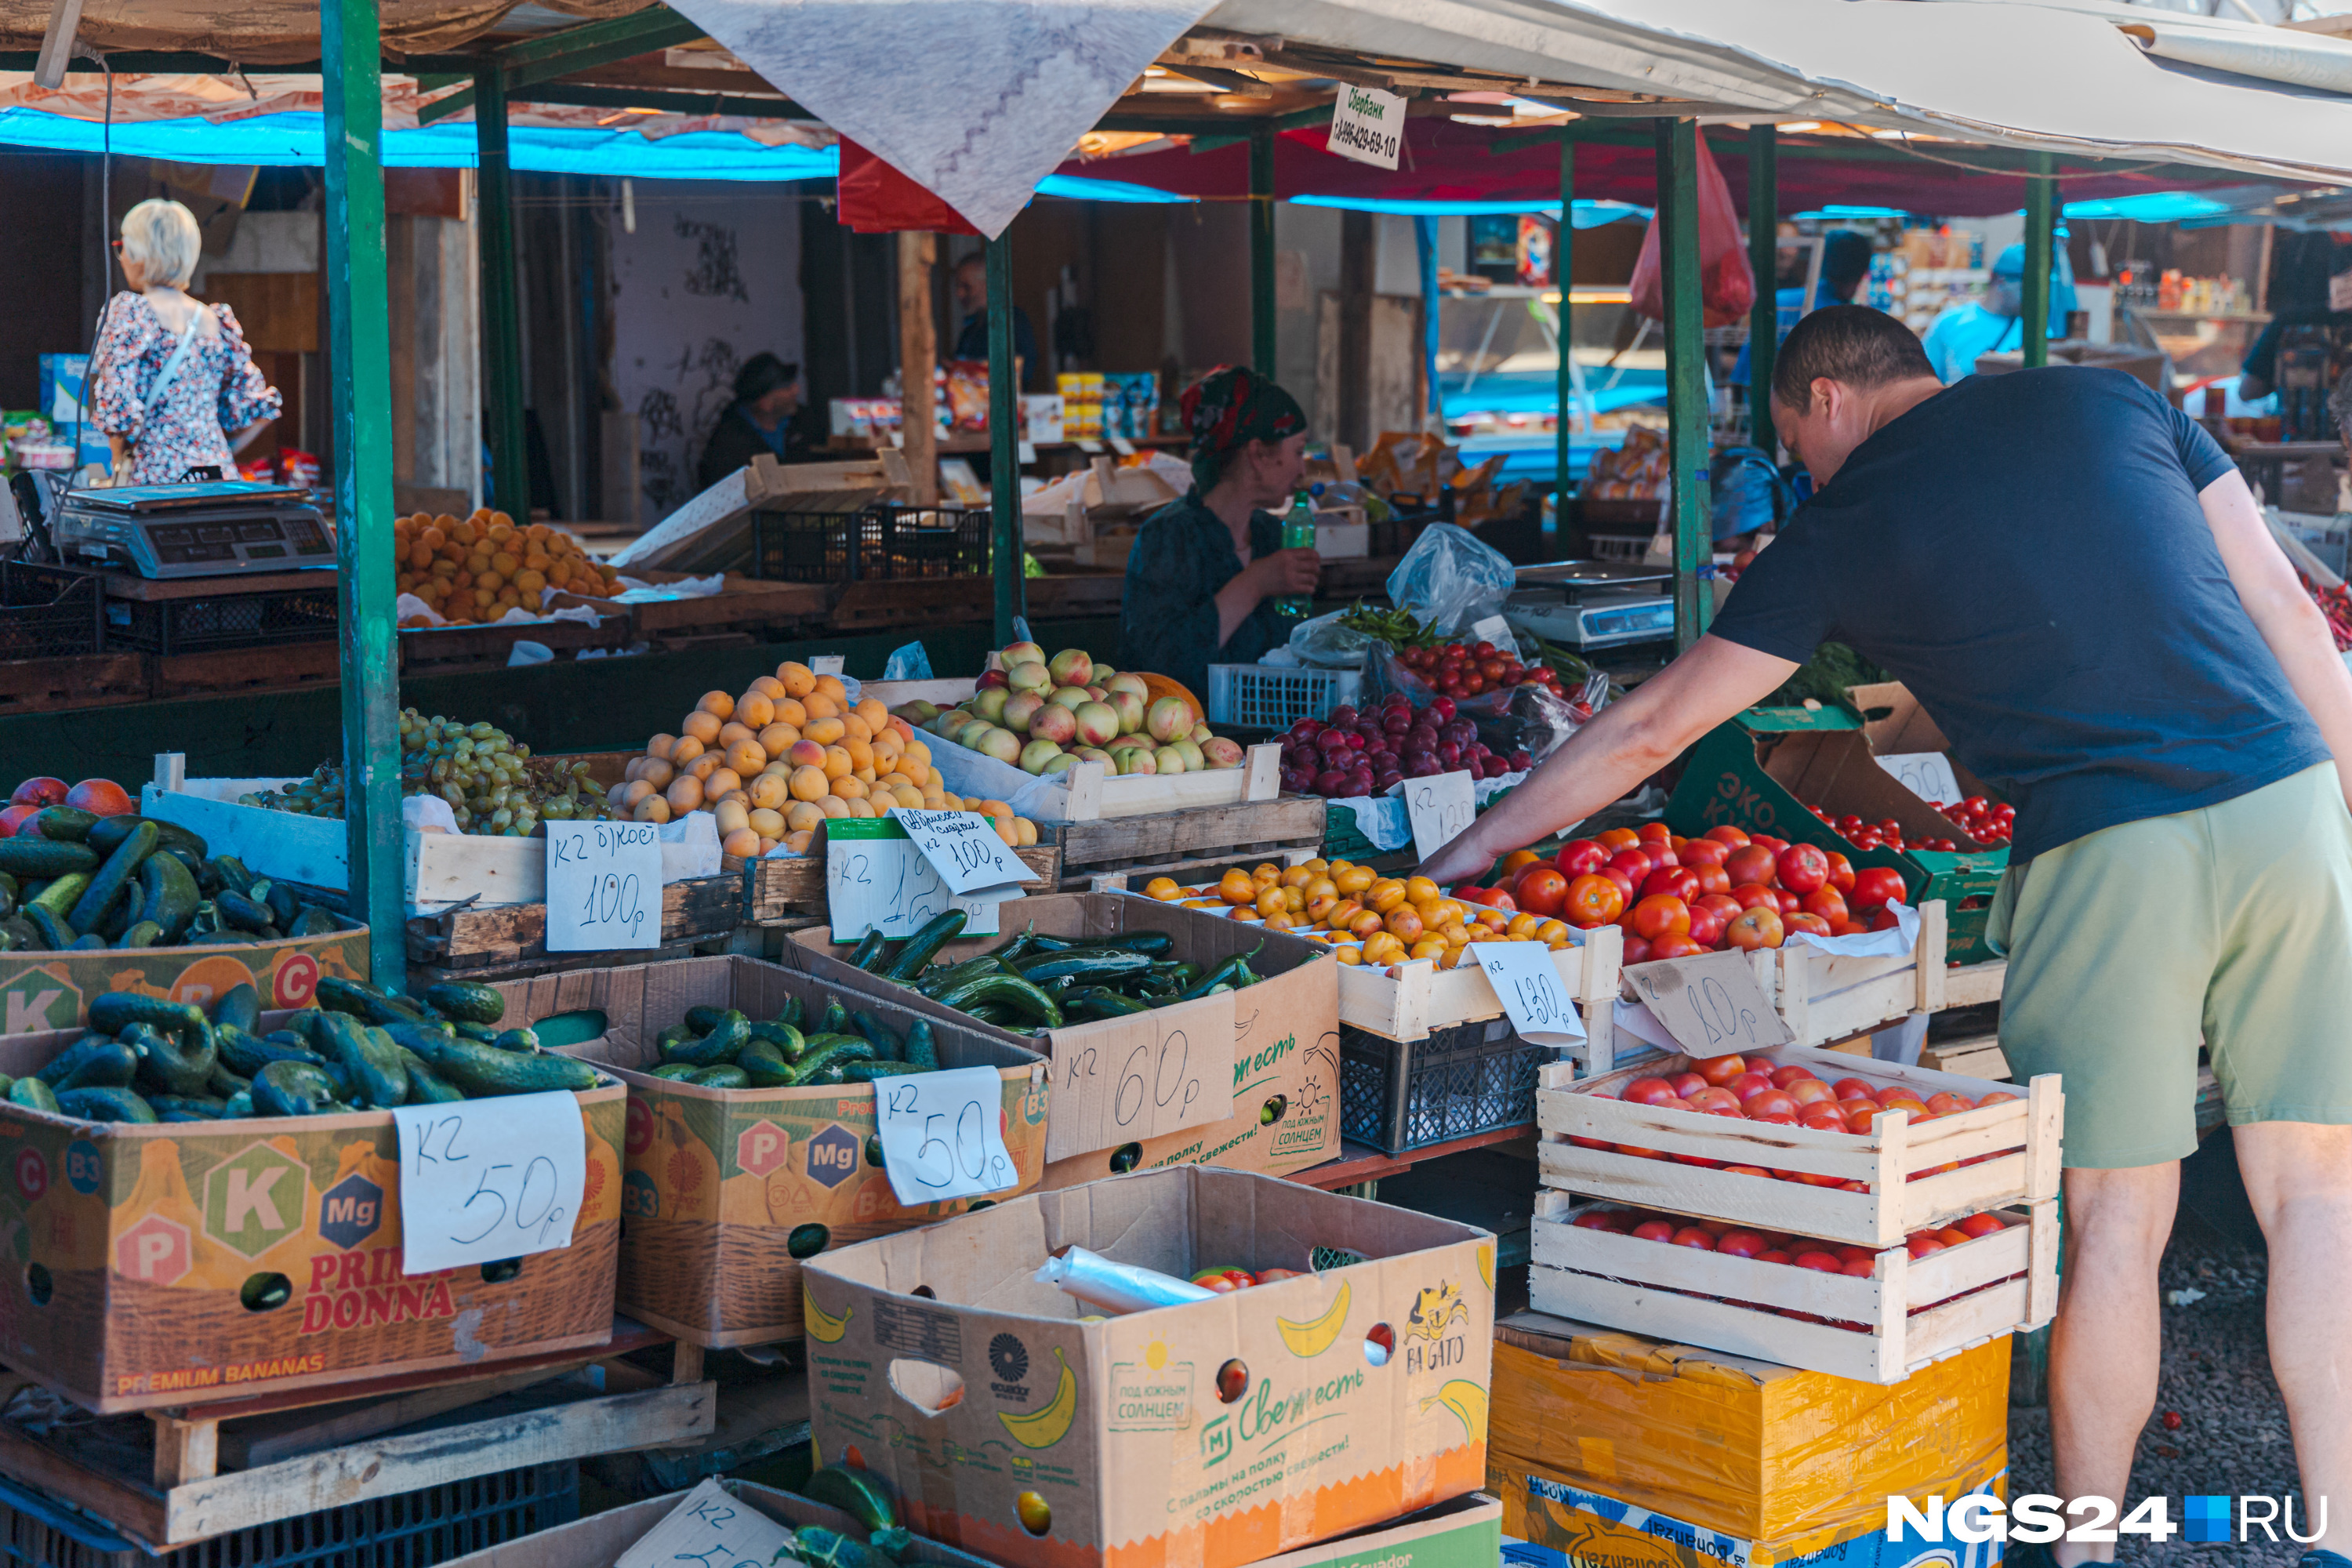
<point>2231,1436</point>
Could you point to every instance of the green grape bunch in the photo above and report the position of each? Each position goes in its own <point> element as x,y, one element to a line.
<point>494,786</point>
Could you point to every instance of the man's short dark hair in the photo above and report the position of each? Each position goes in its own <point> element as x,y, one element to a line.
<point>1850,343</point>
<point>763,374</point>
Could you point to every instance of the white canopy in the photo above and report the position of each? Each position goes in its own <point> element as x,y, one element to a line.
<point>981,99</point>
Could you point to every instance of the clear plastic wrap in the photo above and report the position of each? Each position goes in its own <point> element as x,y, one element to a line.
<point>1323,640</point>
<point>1117,1287</point>
<point>1450,579</point>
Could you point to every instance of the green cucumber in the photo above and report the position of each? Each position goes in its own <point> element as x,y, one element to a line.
<point>866,1072</point>
<point>142,934</point>
<point>234,877</point>
<point>730,1035</point>
<point>523,1040</point>
<point>928,939</point>
<point>871,949</point>
<point>784,1036</point>
<point>309,919</point>
<point>243,913</point>
<point>1008,991</point>
<point>111,831</point>
<point>88,941</point>
<point>64,823</point>
<point>946,976</point>
<point>111,878</point>
<point>240,1006</point>
<point>284,909</point>
<point>224,1083</point>
<point>168,1064</point>
<point>239,1107</point>
<point>426,1086</point>
<point>207,1107</point>
<point>244,1055</point>
<point>59,896</point>
<point>293,1089</point>
<point>468,1000</point>
<point>675,1072</point>
<point>171,894</point>
<point>836,1020</point>
<point>31,857</point>
<point>922,1050</point>
<point>107,1064</point>
<point>33,1095</point>
<point>833,1055</point>
<point>364,1002</point>
<point>369,1056</point>
<point>764,1065</point>
<point>1083,964</point>
<point>790,1012</point>
<point>112,1010</point>
<point>104,1105</point>
<point>726,1074</point>
<point>479,1069</point>
<point>887,1044</point>
<point>703,1019</point>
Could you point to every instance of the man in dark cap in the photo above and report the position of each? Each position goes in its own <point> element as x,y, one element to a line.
<point>1205,572</point>
<point>765,417</point>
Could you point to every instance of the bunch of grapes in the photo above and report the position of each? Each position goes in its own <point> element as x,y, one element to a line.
<point>494,786</point>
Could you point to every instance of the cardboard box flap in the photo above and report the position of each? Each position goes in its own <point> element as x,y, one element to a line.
<point>1895,723</point>
<point>599,1540</point>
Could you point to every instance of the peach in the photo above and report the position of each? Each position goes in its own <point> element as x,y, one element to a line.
<point>1072,667</point>
<point>1096,723</point>
<point>1022,653</point>
<point>1129,706</point>
<point>806,754</point>
<point>1036,754</point>
<point>990,704</point>
<point>1018,711</point>
<point>1130,683</point>
<point>1002,744</point>
<point>1221,752</point>
<point>1070,697</point>
<point>1054,723</point>
<point>719,703</point>
<point>1169,718</point>
<point>1029,676</point>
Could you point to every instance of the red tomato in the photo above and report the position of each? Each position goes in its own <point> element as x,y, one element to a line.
<point>1860,1267</point>
<point>1975,1224</point>
<point>1654,1230</point>
<point>1820,1262</point>
<point>1801,867</point>
<point>1809,1092</point>
<point>1883,918</point>
<point>1498,899</point>
<point>1755,895</point>
<point>1597,1219</point>
<point>1747,1083</point>
<point>1859,1121</point>
<point>1822,1119</point>
<point>1636,951</point>
<point>1661,915</point>
<point>1218,1279</point>
<point>1672,881</point>
<point>1840,872</point>
<point>1624,883</point>
<point>1812,924</point>
<point>1713,879</point>
<point>1749,863</point>
<point>1851,1088</point>
<point>1946,1102</point>
<point>1675,944</point>
<point>1767,1104</point>
<point>1692,1235</point>
<point>1921,1245</point>
<point>1591,902</point>
<point>1615,838</point>
<point>1788,901</point>
<point>1827,903</point>
<point>1707,926</point>
<point>1715,1102</point>
<point>14,818</point>
<point>1701,852</point>
<point>1728,834</point>
<point>1755,927</point>
<point>1719,1070</point>
<point>1766,841</point>
<point>1542,890</point>
<point>1655,833</point>
<point>1582,857</point>
<point>1635,863</point>
<point>1723,904</point>
<point>1874,885</point>
<point>1740,1243</point>
<point>1687,1083</point>
<point>1661,855</point>
<point>1648,1092</point>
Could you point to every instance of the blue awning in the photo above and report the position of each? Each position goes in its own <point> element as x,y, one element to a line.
<point>1588,215</point>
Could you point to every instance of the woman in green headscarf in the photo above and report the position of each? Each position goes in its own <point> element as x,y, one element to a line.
<point>1205,572</point>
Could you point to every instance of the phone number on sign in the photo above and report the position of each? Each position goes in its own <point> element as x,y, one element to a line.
<point>1379,144</point>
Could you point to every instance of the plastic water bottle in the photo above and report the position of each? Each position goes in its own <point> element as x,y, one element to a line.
<point>1297,534</point>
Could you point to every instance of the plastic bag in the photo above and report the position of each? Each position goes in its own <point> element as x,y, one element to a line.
<point>1527,719</point>
<point>1324,641</point>
<point>1450,579</point>
<point>1726,283</point>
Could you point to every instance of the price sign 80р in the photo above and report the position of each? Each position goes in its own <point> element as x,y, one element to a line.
<point>943,1135</point>
<point>485,1180</point>
<point>604,886</point>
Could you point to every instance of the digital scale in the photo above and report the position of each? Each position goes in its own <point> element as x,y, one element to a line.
<point>219,528</point>
<point>1593,603</point>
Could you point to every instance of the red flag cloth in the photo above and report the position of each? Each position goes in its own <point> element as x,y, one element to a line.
<point>876,198</point>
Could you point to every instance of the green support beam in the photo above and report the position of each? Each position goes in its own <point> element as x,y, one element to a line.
<point>1563,272</point>
<point>1763,258</point>
<point>570,50</point>
<point>2040,190</point>
<point>1261,237</point>
<point>1686,422</point>
<point>360,343</point>
<point>1007,558</point>
<point>503,395</point>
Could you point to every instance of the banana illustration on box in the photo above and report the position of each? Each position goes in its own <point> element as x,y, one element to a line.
<point>1468,1403</point>
<point>1046,1427</point>
<point>822,1326</point>
<point>1315,1336</point>
<point>1486,1263</point>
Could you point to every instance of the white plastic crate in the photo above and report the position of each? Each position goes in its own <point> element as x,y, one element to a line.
<point>1276,696</point>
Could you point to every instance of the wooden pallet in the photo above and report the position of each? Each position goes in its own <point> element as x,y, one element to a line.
<point>473,941</point>
<point>1172,843</point>
<point>1978,1056</point>
<point>229,1466</point>
<point>1586,1129</point>
<point>91,680</point>
<point>1861,1327</point>
<point>789,889</point>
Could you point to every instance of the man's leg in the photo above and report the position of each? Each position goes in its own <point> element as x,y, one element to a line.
<point>2298,1176</point>
<point>2104,1345</point>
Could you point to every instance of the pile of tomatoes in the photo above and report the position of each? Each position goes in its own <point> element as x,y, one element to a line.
<point>1791,1095</point>
<point>1224,1278</point>
<point>1674,896</point>
<point>1986,821</point>
<point>1735,1240</point>
<point>1465,669</point>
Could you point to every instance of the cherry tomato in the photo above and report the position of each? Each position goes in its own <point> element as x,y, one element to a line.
<point>1581,858</point>
<point>1801,867</point>
<point>1542,890</point>
<point>1591,900</point>
<point>1659,915</point>
<point>1874,885</point>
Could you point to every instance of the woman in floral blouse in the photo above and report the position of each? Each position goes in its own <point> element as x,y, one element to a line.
<point>175,386</point>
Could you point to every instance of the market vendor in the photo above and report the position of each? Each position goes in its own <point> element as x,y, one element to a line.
<point>2103,627</point>
<point>766,416</point>
<point>175,387</point>
<point>1995,324</point>
<point>1205,573</point>
<point>970,284</point>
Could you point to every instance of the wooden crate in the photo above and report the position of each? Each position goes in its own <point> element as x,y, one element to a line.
<point>1978,1056</point>
<point>219,671</point>
<point>440,650</point>
<point>1876,1329</point>
<point>2013,1146</point>
<point>277,1456</point>
<point>1179,843</point>
<point>1825,998</point>
<point>789,889</point>
<point>474,942</point>
<point>742,605</point>
<point>1974,985</point>
<point>1411,1000</point>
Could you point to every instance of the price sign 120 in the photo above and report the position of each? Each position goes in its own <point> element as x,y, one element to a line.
<point>1441,808</point>
<point>943,1135</point>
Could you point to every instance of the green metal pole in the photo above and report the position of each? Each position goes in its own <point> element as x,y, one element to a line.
<point>1004,441</point>
<point>1687,428</point>
<point>360,340</point>
<point>2039,189</point>
<point>501,307</point>
<point>1563,253</point>
<point>1261,233</point>
<point>1763,257</point>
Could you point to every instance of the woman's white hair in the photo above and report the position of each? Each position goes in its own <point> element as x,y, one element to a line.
<point>162,236</point>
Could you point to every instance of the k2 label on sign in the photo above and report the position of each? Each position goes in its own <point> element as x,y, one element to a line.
<point>887,885</point>
<point>1441,808</point>
<point>1710,1002</point>
<point>483,1180</point>
<point>1525,977</point>
<point>943,1135</point>
<point>1367,125</point>
<point>604,886</point>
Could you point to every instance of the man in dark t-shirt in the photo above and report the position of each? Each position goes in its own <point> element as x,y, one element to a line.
<point>2077,586</point>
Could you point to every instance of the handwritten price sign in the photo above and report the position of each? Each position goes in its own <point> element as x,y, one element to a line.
<point>943,1136</point>
<point>486,1180</point>
<point>887,885</point>
<point>1927,775</point>
<point>1442,808</point>
<point>1710,1002</point>
<point>964,848</point>
<point>604,886</point>
<point>1527,978</point>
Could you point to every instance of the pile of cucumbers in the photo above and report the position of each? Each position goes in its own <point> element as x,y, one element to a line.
<point>148,1059</point>
<point>1033,981</point>
<point>718,1047</point>
<point>70,880</point>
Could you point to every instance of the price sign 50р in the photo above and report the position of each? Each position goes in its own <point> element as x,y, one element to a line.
<point>482,1181</point>
<point>943,1135</point>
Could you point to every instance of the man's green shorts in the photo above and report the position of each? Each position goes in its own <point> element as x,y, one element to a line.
<point>2231,925</point>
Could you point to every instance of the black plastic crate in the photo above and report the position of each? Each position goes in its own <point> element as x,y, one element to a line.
<point>1398,1095</point>
<point>229,619</point>
<point>878,543</point>
<point>412,1530</point>
<point>47,611</point>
